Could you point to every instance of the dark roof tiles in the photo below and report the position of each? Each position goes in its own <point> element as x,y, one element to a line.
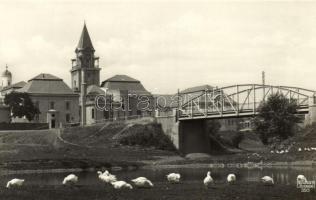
<point>46,84</point>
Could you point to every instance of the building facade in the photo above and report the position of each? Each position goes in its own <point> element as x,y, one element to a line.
<point>129,98</point>
<point>57,103</point>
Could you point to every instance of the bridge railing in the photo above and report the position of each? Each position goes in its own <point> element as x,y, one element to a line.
<point>237,100</point>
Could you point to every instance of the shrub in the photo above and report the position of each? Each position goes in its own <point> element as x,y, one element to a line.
<point>276,118</point>
<point>150,135</point>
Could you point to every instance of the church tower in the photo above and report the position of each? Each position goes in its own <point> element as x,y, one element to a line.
<point>6,78</point>
<point>85,67</point>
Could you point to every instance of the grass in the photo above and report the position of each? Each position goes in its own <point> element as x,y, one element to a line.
<point>190,190</point>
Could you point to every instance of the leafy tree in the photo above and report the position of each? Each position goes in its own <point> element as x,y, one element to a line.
<point>276,117</point>
<point>21,105</point>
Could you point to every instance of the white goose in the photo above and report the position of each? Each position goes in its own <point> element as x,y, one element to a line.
<point>208,179</point>
<point>267,180</point>
<point>15,183</point>
<point>174,177</point>
<point>121,185</point>
<point>142,182</point>
<point>106,177</point>
<point>231,178</point>
<point>301,179</point>
<point>70,179</point>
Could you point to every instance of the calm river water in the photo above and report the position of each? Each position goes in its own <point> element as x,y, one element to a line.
<point>285,176</point>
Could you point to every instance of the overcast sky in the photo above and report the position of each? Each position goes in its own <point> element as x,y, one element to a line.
<point>165,45</point>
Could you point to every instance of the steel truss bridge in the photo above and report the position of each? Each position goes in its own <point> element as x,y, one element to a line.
<point>237,100</point>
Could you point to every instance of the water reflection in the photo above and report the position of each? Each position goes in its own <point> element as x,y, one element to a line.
<point>285,176</point>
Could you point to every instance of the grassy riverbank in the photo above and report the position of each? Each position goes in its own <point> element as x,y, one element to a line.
<point>190,190</point>
<point>98,147</point>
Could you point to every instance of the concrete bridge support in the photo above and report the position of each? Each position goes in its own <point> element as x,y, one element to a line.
<point>193,137</point>
<point>310,118</point>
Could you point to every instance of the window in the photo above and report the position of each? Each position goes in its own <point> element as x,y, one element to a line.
<point>122,104</point>
<point>67,105</point>
<point>37,117</point>
<point>52,105</point>
<point>67,117</point>
<point>37,104</point>
<point>92,113</point>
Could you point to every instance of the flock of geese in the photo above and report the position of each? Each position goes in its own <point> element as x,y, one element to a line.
<point>282,151</point>
<point>143,182</point>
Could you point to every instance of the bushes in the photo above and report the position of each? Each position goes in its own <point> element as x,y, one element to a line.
<point>276,118</point>
<point>150,135</point>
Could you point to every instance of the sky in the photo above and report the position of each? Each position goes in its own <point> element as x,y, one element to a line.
<point>167,45</point>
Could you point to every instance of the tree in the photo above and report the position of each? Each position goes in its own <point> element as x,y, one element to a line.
<point>276,117</point>
<point>21,105</point>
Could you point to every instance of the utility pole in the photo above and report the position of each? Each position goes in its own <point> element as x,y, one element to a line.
<point>263,85</point>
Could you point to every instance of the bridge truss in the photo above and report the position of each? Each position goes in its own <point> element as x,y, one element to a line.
<point>237,100</point>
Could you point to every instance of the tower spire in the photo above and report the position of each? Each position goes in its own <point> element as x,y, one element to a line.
<point>85,41</point>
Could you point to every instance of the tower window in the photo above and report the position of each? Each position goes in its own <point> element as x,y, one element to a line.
<point>67,105</point>
<point>37,104</point>
<point>92,113</point>
<point>52,105</point>
<point>67,117</point>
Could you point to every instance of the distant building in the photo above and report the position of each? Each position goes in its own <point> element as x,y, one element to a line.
<point>123,95</point>
<point>6,78</point>
<point>12,87</point>
<point>56,101</point>
<point>5,82</point>
<point>165,105</point>
<point>129,97</point>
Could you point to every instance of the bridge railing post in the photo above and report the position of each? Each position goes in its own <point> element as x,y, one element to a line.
<point>254,98</point>
<point>237,88</point>
<point>222,107</point>
<point>206,104</point>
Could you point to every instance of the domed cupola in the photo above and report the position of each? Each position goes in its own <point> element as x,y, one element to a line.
<point>6,78</point>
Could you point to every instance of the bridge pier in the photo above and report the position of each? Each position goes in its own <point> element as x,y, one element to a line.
<point>193,137</point>
<point>310,118</point>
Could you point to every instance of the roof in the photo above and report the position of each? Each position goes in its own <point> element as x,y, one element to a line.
<point>47,77</point>
<point>46,84</point>
<point>6,73</point>
<point>85,41</point>
<point>197,89</point>
<point>123,82</point>
<point>121,78</point>
<point>15,86</point>
<point>94,89</point>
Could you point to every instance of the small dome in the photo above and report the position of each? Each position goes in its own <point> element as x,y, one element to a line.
<point>6,73</point>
